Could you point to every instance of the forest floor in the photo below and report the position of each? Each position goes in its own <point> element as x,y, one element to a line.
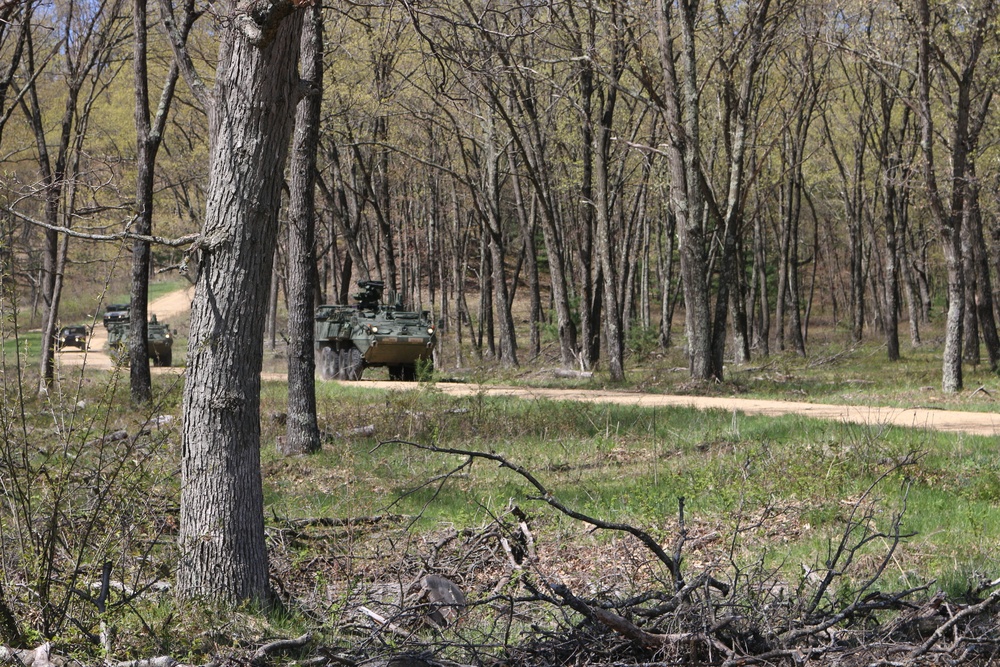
<point>176,304</point>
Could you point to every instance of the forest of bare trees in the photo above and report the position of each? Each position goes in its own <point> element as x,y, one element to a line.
<point>549,179</point>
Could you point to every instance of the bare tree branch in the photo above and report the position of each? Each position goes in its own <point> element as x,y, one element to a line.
<point>121,236</point>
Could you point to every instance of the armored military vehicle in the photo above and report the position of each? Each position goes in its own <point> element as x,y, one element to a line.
<point>116,312</point>
<point>370,334</point>
<point>159,341</point>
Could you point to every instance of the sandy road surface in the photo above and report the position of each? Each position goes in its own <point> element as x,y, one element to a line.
<point>167,306</point>
<point>976,423</point>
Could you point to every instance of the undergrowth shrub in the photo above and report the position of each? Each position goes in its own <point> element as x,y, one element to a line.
<point>87,508</point>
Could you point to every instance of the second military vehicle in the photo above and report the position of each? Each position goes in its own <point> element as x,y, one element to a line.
<point>369,334</point>
<point>74,336</point>
<point>159,341</point>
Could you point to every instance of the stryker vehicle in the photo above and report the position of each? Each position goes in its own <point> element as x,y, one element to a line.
<point>370,334</point>
<point>159,341</point>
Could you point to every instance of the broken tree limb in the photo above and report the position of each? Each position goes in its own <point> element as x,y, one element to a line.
<point>279,646</point>
<point>160,661</point>
<point>633,632</point>
<point>971,610</point>
<point>566,373</point>
<point>651,543</point>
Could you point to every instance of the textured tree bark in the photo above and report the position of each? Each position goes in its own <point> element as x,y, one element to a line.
<point>613,334</point>
<point>681,93</point>
<point>149,133</point>
<point>984,283</point>
<point>222,551</point>
<point>605,246</point>
<point>302,435</point>
<point>949,216</point>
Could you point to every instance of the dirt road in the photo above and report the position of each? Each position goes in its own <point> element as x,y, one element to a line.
<point>976,423</point>
<point>96,356</point>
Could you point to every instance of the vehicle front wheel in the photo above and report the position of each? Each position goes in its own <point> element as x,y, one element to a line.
<point>355,365</point>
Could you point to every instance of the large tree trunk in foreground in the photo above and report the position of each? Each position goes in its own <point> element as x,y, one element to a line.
<point>222,551</point>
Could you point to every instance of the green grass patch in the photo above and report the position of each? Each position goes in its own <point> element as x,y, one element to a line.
<point>797,478</point>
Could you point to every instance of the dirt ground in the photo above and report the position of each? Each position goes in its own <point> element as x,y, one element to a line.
<point>96,355</point>
<point>975,423</point>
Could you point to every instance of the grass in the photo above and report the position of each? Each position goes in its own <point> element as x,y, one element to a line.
<point>776,492</point>
<point>632,465</point>
<point>772,491</point>
<point>835,372</point>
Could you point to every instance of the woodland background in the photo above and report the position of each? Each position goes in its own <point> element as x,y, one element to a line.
<point>475,156</point>
<point>567,182</point>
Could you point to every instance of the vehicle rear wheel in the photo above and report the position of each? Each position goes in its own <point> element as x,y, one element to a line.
<point>326,363</point>
<point>409,373</point>
<point>339,365</point>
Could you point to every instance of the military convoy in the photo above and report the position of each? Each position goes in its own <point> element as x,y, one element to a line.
<point>370,334</point>
<point>159,339</point>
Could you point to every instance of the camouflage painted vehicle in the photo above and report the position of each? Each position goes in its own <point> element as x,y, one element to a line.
<point>115,313</point>
<point>370,334</point>
<point>159,341</point>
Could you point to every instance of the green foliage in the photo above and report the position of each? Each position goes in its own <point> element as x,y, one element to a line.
<point>87,488</point>
<point>642,342</point>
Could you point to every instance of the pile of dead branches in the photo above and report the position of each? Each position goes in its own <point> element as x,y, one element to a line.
<point>519,602</point>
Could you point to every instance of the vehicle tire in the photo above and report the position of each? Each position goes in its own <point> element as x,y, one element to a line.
<point>396,372</point>
<point>326,363</point>
<point>409,373</point>
<point>167,358</point>
<point>339,365</point>
<point>355,365</point>
<point>336,363</point>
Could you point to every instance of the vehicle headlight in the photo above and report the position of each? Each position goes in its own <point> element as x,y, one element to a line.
<point>430,330</point>
<point>374,329</point>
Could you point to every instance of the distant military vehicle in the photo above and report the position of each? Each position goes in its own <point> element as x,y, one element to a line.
<point>116,312</point>
<point>74,336</point>
<point>159,341</point>
<point>370,334</point>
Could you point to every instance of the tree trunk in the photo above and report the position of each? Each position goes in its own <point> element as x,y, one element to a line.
<point>149,133</point>
<point>222,551</point>
<point>983,300</point>
<point>685,189</point>
<point>949,217</point>
<point>760,304</point>
<point>527,221</point>
<point>302,433</point>
<point>605,244</point>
